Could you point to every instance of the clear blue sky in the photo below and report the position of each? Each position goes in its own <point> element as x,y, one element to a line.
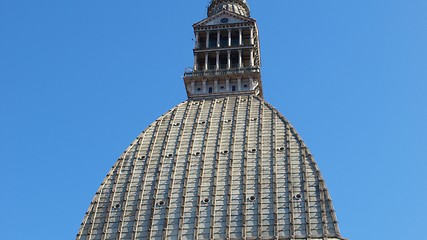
<point>79,80</point>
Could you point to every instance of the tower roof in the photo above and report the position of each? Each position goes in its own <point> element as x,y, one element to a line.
<point>237,6</point>
<point>225,168</point>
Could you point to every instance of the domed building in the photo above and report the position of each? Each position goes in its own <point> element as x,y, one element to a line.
<point>224,164</point>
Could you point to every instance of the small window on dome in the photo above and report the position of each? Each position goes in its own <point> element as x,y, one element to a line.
<point>224,20</point>
<point>233,88</point>
<point>210,90</point>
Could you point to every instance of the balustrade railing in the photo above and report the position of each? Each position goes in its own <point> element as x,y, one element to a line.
<point>189,72</point>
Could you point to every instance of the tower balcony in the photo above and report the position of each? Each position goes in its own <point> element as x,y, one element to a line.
<point>223,82</point>
<point>190,72</point>
<point>214,47</point>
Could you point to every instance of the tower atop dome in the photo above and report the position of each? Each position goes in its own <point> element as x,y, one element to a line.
<point>236,6</point>
<point>226,53</point>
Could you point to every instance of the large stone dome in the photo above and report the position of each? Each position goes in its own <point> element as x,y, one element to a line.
<point>221,168</point>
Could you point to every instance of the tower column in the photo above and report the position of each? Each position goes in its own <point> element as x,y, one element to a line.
<point>252,36</point>
<point>240,58</point>
<point>240,37</point>
<point>206,60</point>
<point>218,38</point>
<point>239,84</point>
<point>228,59</point>
<point>197,40</point>
<point>215,85</point>
<point>192,87</point>
<point>195,62</point>
<point>229,37</point>
<point>204,86</point>
<point>252,57</point>
<point>217,60</point>
<point>207,39</point>
<point>227,84</point>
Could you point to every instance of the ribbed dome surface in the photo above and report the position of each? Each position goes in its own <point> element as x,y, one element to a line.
<point>236,6</point>
<point>225,168</point>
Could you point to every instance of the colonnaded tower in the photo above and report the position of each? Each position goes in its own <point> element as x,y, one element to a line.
<point>224,164</point>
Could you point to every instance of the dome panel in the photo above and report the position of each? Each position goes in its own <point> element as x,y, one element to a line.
<point>229,167</point>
